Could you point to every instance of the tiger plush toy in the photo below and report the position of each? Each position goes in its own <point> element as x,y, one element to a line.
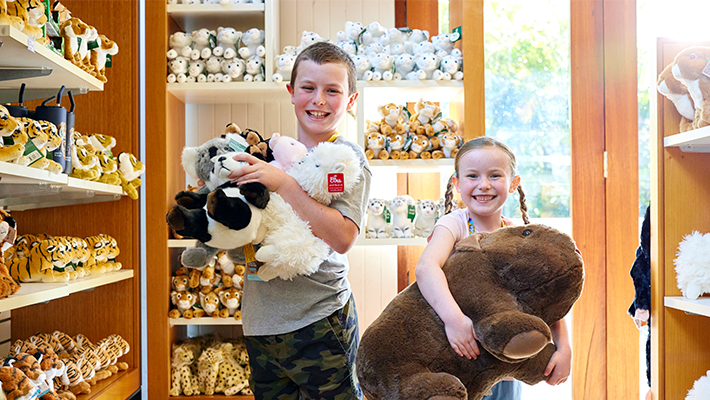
<point>76,34</point>
<point>109,169</point>
<point>183,301</point>
<point>72,380</point>
<point>31,12</point>
<point>99,55</point>
<point>54,141</point>
<point>9,19</point>
<point>131,169</point>
<point>9,126</point>
<point>35,134</point>
<point>8,285</point>
<point>39,265</point>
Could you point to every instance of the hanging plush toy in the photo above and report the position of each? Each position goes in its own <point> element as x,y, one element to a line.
<point>692,265</point>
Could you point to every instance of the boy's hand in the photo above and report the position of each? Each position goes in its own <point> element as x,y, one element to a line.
<point>558,369</point>
<point>641,318</point>
<point>258,171</point>
<point>462,337</point>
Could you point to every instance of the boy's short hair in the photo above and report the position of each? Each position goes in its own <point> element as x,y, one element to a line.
<point>326,52</point>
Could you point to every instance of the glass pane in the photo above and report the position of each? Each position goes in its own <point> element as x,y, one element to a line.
<point>527,50</point>
<point>527,99</point>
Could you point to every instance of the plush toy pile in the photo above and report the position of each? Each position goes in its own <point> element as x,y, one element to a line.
<point>400,135</point>
<point>208,365</point>
<point>214,291</point>
<point>224,216</point>
<point>58,366</point>
<point>692,265</point>
<point>8,232</point>
<point>49,259</point>
<point>686,82</point>
<point>513,283</point>
<point>222,55</point>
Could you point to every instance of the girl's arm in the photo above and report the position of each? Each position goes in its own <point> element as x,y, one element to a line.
<point>558,369</point>
<point>336,230</point>
<point>435,289</point>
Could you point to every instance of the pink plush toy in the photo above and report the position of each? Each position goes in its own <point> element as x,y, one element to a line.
<point>286,150</point>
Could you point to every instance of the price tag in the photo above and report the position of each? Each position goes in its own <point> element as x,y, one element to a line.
<point>31,43</point>
<point>336,183</point>
<point>456,34</point>
<point>411,212</point>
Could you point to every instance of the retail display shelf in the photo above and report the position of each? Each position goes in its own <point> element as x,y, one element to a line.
<point>403,91</point>
<point>195,16</point>
<point>180,243</point>
<point>415,241</point>
<point>118,386</point>
<point>221,397</point>
<point>229,92</point>
<point>701,306</point>
<point>413,163</point>
<point>25,188</point>
<point>696,140</point>
<point>36,293</point>
<point>16,55</point>
<point>208,321</point>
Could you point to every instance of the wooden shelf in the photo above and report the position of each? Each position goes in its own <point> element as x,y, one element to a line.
<point>701,306</point>
<point>209,321</point>
<point>25,188</point>
<point>195,16</point>
<point>15,54</point>
<point>37,293</point>
<point>181,243</point>
<point>119,386</point>
<point>226,93</point>
<point>696,141</point>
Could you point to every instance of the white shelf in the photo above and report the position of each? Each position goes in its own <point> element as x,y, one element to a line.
<point>15,54</point>
<point>413,163</point>
<point>403,91</point>
<point>701,306</point>
<point>696,141</point>
<point>24,188</point>
<point>181,243</point>
<point>196,16</point>
<point>36,293</point>
<point>231,92</point>
<point>204,321</point>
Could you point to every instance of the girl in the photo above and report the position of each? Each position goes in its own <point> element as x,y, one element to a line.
<point>484,176</point>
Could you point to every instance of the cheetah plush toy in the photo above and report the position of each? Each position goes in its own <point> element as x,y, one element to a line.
<point>208,367</point>
<point>181,377</point>
<point>231,377</point>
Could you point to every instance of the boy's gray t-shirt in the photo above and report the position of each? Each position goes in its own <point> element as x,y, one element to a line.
<point>281,306</point>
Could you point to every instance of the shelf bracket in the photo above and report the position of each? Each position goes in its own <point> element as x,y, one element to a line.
<point>15,190</point>
<point>10,73</point>
<point>694,148</point>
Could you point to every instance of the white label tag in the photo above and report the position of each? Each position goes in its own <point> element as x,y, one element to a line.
<point>31,43</point>
<point>706,70</point>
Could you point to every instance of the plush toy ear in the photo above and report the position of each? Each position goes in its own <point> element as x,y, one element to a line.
<point>338,167</point>
<point>471,243</point>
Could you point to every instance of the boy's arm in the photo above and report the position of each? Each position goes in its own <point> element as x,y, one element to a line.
<point>558,369</point>
<point>338,231</point>
<point>435,289</point>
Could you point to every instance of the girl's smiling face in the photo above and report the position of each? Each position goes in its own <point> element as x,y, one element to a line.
<point>320,98</point>
<point>485,180</point>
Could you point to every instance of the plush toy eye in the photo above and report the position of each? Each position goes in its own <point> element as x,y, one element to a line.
<point>693,56</point>
<point>527,232</point>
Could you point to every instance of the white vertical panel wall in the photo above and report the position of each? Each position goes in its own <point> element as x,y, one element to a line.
<point>373,269</point>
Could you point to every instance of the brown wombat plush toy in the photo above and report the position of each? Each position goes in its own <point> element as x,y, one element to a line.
<point>513,283</point>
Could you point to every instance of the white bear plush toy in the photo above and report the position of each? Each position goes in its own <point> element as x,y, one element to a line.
<point>196,71</point>
<point>692,265</point>
<point>233,70</point>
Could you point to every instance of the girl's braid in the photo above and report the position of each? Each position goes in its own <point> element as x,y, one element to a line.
<point>449,195</point>
<point>523,205</point>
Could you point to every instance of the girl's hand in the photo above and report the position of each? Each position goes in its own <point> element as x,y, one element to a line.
<point>462,337</point>
<point>258,171</point>
<point>558,369</point>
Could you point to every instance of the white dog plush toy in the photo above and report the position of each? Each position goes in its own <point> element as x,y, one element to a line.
<point>692,265</point>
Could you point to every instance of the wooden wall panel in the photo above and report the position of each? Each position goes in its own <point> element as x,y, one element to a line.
<point>474,70</point>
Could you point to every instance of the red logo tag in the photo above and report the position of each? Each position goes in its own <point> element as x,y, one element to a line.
<point>336,183</point>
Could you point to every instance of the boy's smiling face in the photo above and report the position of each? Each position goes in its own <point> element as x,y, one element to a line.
<point>320,98</point>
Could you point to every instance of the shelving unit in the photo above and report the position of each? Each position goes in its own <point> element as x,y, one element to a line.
<point>55,204</point>
<point>225,93</point>
<point>680,353</point>
<point>205,321</point>
<point>18,59</point>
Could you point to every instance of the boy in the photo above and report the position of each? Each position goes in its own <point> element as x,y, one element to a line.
<point>302,335</point>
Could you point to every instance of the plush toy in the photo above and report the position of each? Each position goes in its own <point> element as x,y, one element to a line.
<point>253,44</point>
<point>398,147</point>
<point>99,56</point>
<point>14,382</point>
<point>442,44</point>
<point>183,302</point>
<point>202,43</point>
<point>109,168</point>
<point>31,12</point>
<point>692,265</point>
<point>209,304</point>
<point>426,217</point>
<point>231,376</point>
<point>382,65</point>
<point>231,71</point>
<point>420,147</point>
<point>415,37</point>
<point>178,70</point>
<point>691,68</point>
<point>308,38</point>
<point>676,92</point>
<point>208,366</point>
<point>39,265</point>
<point>227,39</point>
<point>404,66</point>
<point>451,67</point>
<point>74,32</point>
<point>180,44</point>
<point>196,71</point>
<point>376,146</point>
<point>450,144</point>
<point>640,308</point>
<point>8,231</point>
<point>130,170</point>
<point>403,209</point>
<point>284,66</point>
<point>9,19</point>
<point>286,151</point>
<point>513,283</point>
<point>253,71</point>
<point>255,143</point>
<point>700,389</point>
<point>363,68</point>
<point>10,126</point>
<point>378,219</point>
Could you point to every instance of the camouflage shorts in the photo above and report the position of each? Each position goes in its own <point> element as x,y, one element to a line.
<point>314,362</point>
